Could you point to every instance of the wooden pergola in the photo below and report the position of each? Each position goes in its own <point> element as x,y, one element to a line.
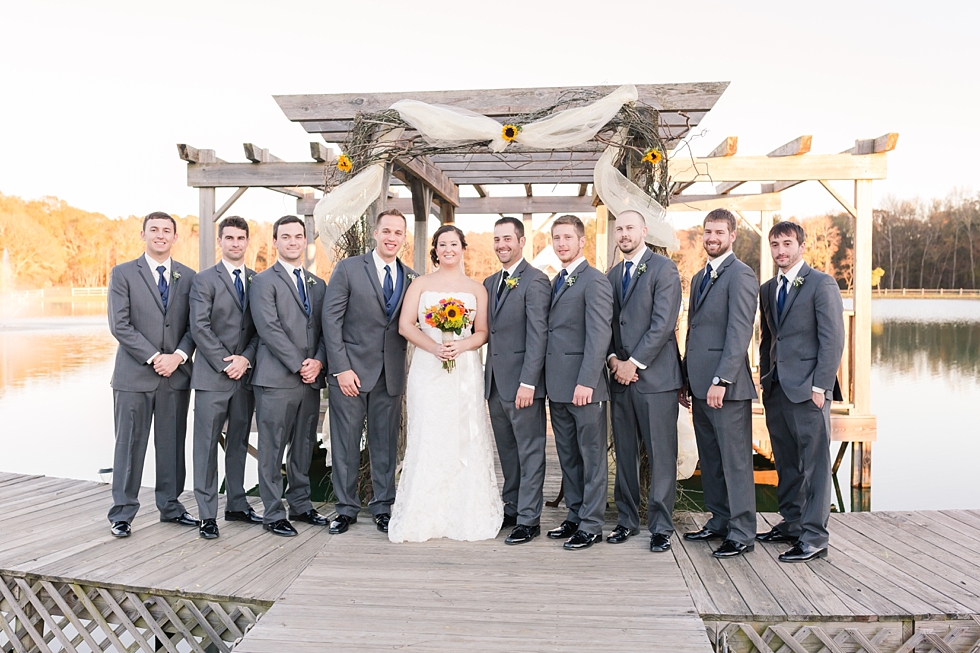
<point>434,186</point>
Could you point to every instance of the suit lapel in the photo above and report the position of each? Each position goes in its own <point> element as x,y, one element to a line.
<point>222,272</point>
<point>793,291</point>
<point>773,307</point>
<point>248,284</point>
<point>635,277</point>
<point>617,273</point>
<point>290,281</point>
<point>711,284</point>
<point>517,275</point>
<point>405,281</point>
<point>372,273</point>
<point>564,287</point>
<point>150,281</point>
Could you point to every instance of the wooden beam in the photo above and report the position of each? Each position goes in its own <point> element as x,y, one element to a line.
<point>268,175</point>
<point>320,152</point>
<point>187,153</point>
<point>793,168</point>
<point>481,190</point>
<point>447,212</point>
<point>749,224</point>
<point>727,147</point>
<point>583,189</point>
<point>840,198</point>
<point>765,255</point>
<point>527,190</point>
<point>227,205</point>
<point>421,206</point>
<point>884,143</point>
<point>423,169</point>
<point>257,154</point>
<point>761,202</point>
<point>291,191</point>
<point>795,147</point>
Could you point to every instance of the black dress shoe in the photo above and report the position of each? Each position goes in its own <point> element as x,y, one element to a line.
<point>581,540</point>
<point>310,517</point>
<point>703,535</point>
<point>184,519</point>
<point>281,528</point>
<point>566,529</point>
<point>620,534</point>
<point>774,535</point>
<point>803,552</point>
<point>510,521</point>
<point>209,529</point>
<point>121,529</point>
<point>659,543</point>
<point>523,534</point>
<point>249,516</point>
<point>341,524</point>
<point>381,521</point>
<point>731,548</point>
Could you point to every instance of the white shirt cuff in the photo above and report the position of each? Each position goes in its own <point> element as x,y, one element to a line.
<point>150,360</point>
<point>525,385</point>
<point>818,390</point>
<point>639,365</point>
<point>182,355</point>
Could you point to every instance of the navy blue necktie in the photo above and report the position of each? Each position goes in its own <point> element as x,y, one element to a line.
<point>389,287</point>
<point>301,287</point>
<point>704,281</point>
<point>781,296</point>
<point>239,287</point>
<point>626,277</point>
<point>162,285</point>
<point>561,282</point>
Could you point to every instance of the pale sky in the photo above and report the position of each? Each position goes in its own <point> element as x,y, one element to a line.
<point>95,95</point>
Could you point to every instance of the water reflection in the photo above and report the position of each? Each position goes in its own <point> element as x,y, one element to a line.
<point>935,349</point>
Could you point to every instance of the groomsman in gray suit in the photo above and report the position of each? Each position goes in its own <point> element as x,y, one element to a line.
<point>221,324</point>
<point>285,301</point>
<point>519,300</point>
<point>720,321</point>
<point>799,353</point>
<point>646,375</point>
<point>575,379</point>
<point>366,369</point>
<point>148,316</point>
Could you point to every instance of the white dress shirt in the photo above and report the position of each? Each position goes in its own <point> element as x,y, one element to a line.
<point>169,279</point>
<point>231,271</point>
<point>380,264</point>
<point>790,276</point>
<point>571,267</point>
<point>635,257</point>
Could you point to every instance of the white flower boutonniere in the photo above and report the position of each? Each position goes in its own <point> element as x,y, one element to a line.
<point>412,276</point>
<point>571,281</point>
<point>250,277</point>
<point>714,274</point>
<point>798,281</point>
<point>512,283</point>
<point>311,281</point>
<point>641,268</point>
<point>175,275</point>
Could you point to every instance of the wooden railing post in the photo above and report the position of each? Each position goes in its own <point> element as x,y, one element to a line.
<point>861,337</point>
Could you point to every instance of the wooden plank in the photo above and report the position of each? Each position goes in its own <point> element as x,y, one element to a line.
<point>762,168</point>
<point>843,428</point>
<point>432,176</point>
<point>884,143</point>
<point>727,599</point>
<point>727,147</point>
<point>257,154</point>
<point>795,147</point>
<point>187,152</point>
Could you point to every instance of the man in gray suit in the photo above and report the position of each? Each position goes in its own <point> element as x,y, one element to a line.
<point>286,301</point>
<point>518,321</point>
<point>148,315</point>
<point>646,375</point>
<point>720,321</point>
<point>799,353</point>
<point>366,369</point>
<point>575,379</point>
<point>221,324</point>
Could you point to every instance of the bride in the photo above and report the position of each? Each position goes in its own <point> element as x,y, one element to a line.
<point>448,486</point>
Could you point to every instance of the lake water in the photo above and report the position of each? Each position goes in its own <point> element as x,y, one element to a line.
<point>56,403</point>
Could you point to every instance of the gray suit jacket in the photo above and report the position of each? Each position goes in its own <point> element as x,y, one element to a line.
<point>356,330</point>
<point>808,341</point>
<point>518,332</point>
<point>579,332</point>
<point>221,326</point>
<point>287,336</point>
<point>719,329</point>
<point>644,322</point>
<point>138,321</point>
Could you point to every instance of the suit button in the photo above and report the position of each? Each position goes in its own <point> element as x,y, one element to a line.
<point>168,324</point>
<point>779,337</point>
<point>550,330</point>
<point>493,331</point>
<point>622,322</point>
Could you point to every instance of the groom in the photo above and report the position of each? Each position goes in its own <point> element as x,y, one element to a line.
<point>366,369</point>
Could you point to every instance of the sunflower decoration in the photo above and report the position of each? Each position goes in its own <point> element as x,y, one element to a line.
<point>450,317</point>
<point>653,156</point>
<point>344,163</point>
<point>510,132</point>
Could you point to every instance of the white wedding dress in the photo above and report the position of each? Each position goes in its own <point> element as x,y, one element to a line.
<point>448,486</point>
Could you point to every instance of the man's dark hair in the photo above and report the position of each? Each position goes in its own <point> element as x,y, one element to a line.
<point>787,228</point>
<point>390,212</point>
<point>518,225</point>
<point>572,220</point>
<point>445,229</point>
<point>286,219</point>
<point>722,215</point>
<point>233,221</point>
<point>160,215</point>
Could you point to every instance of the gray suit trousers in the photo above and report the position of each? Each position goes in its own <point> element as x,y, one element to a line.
<point>384,414</point>
<point>724,438</point>
<point>521,440</point>
<point>580,438</point>
<point>212,408</point>
<point>652,418</point>
<point>166,408</point>
<point>286,417</point>
<point>800,436</point>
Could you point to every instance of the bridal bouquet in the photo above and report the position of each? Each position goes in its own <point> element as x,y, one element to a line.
<point>451,317</point>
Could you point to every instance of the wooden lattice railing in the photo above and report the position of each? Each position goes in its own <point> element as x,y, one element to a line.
<point>48,615</point>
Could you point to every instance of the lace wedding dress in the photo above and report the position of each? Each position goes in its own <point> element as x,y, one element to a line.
<point>448,486</point>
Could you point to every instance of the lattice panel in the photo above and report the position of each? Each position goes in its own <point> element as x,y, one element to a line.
<point>960,636</point>
<point>55,615</point>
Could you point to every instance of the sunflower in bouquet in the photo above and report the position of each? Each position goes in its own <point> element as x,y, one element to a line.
<point>450,316</point>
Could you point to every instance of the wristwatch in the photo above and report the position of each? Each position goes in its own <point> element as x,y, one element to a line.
<point>719,381</point>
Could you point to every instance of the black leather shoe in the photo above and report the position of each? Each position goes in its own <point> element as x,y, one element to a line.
<point>282,528</point>
<point>774,535</point>
<point>209,529</point>
<point>566,529</point>
<point>310,517</point>
<point>523,534</point>
<point>381,521</point>
<point>184,519</point>
<point>703,535</point>
<point>731,548</point>
<point>803,552</point>
<point>249,516</point>
<point>341,524</point>
<point>510,521</point>
<point>620,534</point>
<point>659,543</point>
<point>581,540</point>
<point>121,529</point>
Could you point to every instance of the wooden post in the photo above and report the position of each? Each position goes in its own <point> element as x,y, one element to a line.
<point>205,221</point>
<point>377,207</point>
<point>421,205</point>
<point>528,252</point>
<point>601,237</point>
<point>612,251</point>
<point>765,257</point>
<point>861,336</point>
<point>448,212</point>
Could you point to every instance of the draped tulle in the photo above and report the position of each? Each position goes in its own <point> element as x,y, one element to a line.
<point>448,486</point>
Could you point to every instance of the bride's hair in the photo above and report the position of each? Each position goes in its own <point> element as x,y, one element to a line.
<point>445,229</point>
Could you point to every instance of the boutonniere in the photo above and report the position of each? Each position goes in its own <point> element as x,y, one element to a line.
<point>175,275</point>
<point>311,281</point>
<point>571,281</point>
<point>250,277</point>
<point>641,268</point>
<point>412,276</point>
<point>714,274</point>
<point>512,282</point>
<point>798,281</point>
